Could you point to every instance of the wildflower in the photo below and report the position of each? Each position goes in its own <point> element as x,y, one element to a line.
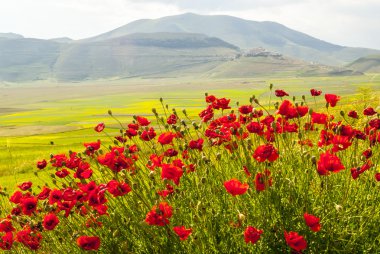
<point>6,226</point>
<point>210,98</point>
<point>172,119</point>
<point>221,103</point>
<point>245,109</point>
<point>183,232</point>
<point>88,242</point>
<point>196,144</point>
<point>263,180</point>
<point>29,238</point>
<point>252,235</point>
<point>280,93</point>
<point>295,241</point>
<point>25,186</point>
<point>171,172</point>
<point>159,215</point>
<point>29,205</point>
<point>62,173</point>
<point>355,172</point>
<point>148,134</point>
<point>92,147</point>
<point>166,138</point>
<point>377,177</point>
<point>50,221</point>
<point>142,121</point>
<point>353,114</point>
<point>100,127</point>
<point>118,189</point>
<point>41,164</point>
<point>312,222</point>
<point>315,92</point>
<point>6,241</point>
<point>369,111</point>
<point>235,187</point>
<point>265,152</point>
<point>332,99</point>
<point>329,163</point>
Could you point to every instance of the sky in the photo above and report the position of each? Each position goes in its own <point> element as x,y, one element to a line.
<point>345,22</point>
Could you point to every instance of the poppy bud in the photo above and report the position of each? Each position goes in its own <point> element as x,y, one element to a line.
<point>310,111</point>
<point>184,112</point>
<point>241,217</point>
<point>161,100</point>
<point>299,135</point>
<point>294,98</point>
<point>314,160</point>
<point>218,156</point>
<point>154,111</point>
<point>303,97</point>
<point>203,180</point>
<point>110,112</point>
<point>342,113</point>
<point>271,86</point>
<point>256,101</point>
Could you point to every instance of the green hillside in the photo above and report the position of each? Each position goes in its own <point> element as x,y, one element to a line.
<point>366,64</point>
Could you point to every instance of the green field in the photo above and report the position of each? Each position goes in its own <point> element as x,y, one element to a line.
<point>40,118</point>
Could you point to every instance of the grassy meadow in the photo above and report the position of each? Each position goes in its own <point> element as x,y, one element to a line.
<point>44,118</point>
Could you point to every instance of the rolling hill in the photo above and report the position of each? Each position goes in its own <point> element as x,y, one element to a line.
<point>246,34</point>
<point>366,64</point>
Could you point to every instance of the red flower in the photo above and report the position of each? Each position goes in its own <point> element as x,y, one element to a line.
<point>332,99</point>
<point>142,121</point>
<point>263,180</point>
<point>377,177</point>
<point>312,222</point>
<point>50,221</point>
<point>171,172</point>
<point>100,127</point>
<point>6,241</point>
<point>29,205</point>
<point>319,118</point>
<point>369,112</point>
<point>315,92</point>
<point>340,143</point>
<point>221,103</point>
<point>196,144</point>
<point>29,238</point>
<point>295,241</point>
<point>92,147</point>
<point>367,153</point>
<point>62,173</point>
<point>265,152</point>
<point>166,138</point>
<point>353,114</point>
<point>89,242</point>
<point>235,187</point>
<point>160,215</point>
<point>329,163</point>
<point>280,93</point>
<point>210,98</point>
<point>6,226</point>
<point>25,186</point>
<point>148,134</point>
<point>252,235</point>
<point>172,119</point>
<point>41,164</point>
<point>182,232</point>
<point>355,172</point>
<point>118,189</point>
<point>245,109</point>
<point>255,127</point>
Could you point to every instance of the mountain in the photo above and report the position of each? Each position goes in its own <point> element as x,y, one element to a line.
<point>246,34</point>
<point>139,55</point>
<point>10,36</point>
<point>366,64</point>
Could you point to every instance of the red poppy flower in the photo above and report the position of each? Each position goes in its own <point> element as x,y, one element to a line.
<point>377,177</point>
<point>367,153</point>
<point>166,138</point>
<point>172,119</point>
<point>235,187</point>
<point>196,144</point>
<point>340,143</point>
<point>332,99</point>
<point>182,232</point>
<point>92,147</point>
<point>41,164</point>
<point>142,121</point>
<point>319,118</point>
<point>29,205</point>
<point>100,127</point>
<point>375,123</point>
<point>25,186</point>
<point>44,194</point>
<point>245,109</point>
<point>280,93</point>
<point>312,222</point>
<point>355,172</point>
<point>369,112</point>
<point>6,241</point>
<point>265,152</point>
<point>329,163</point>
<point>315,92</point>
<point>29,238</point>
<point>118,189</point>
<point>6,226</point>
<point>16,197</point>
<point>295,241</point>
<point>210,98</point>
<point>148,134</point>
<point>62,173</point>
<point>171,172</point>
<point>88,242</point>
<point>50,221</point>
<point>353,114</point>
<point>221,103</point>
<point>263,180</point>
<point>164,193</point>
<point>160,215</point>
<point>252,235</point>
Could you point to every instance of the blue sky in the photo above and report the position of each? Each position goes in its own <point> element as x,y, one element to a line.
<point>344,22</point>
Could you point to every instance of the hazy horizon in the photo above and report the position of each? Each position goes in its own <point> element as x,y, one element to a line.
<point>348,23</point>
